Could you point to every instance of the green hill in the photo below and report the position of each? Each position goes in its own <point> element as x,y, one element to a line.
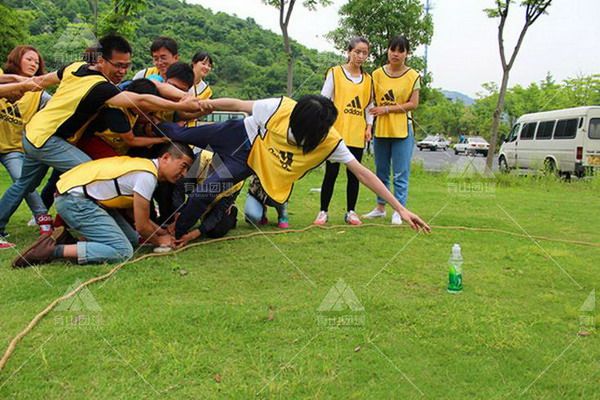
<point>249,60</point>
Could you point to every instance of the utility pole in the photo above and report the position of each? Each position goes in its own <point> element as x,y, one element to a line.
<point>427,8</point>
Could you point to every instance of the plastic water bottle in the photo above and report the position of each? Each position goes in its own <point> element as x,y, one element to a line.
<point>455,262</point>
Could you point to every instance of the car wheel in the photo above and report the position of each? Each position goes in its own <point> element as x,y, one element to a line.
<point>455,152</point>
<point>503,165</point>
<point>550,167</point>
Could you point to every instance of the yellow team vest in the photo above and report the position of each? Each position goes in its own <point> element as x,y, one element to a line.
<point>203,95</point>
<point>105,169</point>
<point>151,71</point>
<point>205,158</point>
<point>62,106</point>
<point>351,100</point>
<point>114,139</point>
<point>392,91</point>
<point>279,163</point>
<point>13,117</point>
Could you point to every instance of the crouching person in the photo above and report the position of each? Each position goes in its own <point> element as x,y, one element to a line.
<point>90,197</point>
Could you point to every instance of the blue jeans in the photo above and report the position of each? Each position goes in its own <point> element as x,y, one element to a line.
<point>13,162</point>
<point>109,236</point>
<point>398,153</point>
<point>56,153</point>
<point>254,210</point>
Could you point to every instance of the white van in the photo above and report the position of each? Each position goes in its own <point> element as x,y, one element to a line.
<point>566,141</point>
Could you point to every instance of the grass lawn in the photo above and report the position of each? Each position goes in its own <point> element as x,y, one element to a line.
<point>240,319</point>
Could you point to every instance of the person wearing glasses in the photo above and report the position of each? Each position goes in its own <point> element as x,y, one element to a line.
<point>51,135</point>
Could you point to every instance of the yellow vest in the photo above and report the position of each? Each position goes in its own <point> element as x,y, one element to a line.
<point>391,91</point>
<point>205,158</point>
<point>115,139</point>
<point>13,117</point>
<point>105,169</point>
<point>151,71</point>
<point>279,163</point>
<point>71,91</point>
<point>203,95</point>
<point>351,100</point>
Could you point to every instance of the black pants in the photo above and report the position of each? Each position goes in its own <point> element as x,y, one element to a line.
<point>331,173</point>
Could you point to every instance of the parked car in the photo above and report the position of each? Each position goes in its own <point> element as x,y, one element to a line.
<point>561,141</point>
<point>433,143</point>
<point>472,146</point>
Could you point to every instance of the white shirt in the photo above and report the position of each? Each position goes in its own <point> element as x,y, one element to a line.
<point>262,110</point>
<point>329,91</point>
<point>140,182</point>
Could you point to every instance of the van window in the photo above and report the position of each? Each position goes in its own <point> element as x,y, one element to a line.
<point>594,131</point>
<point>528,131</point>
<point>545,130</point>
<point>513,133</point>
<point>566,128</point>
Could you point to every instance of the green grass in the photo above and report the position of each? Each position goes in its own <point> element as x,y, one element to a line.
<point>242,323</point>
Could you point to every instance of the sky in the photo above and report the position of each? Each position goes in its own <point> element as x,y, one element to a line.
<point>464,50</point>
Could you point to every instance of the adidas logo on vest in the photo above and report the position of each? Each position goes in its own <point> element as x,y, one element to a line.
<point>354,107</point>
<point>389,98</point>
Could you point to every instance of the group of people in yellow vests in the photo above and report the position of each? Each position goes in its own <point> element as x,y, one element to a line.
<point>132,165</point>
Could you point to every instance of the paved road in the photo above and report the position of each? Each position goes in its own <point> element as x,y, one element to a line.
<point>447,160</point>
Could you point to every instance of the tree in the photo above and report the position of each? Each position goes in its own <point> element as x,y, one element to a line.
<point>285,8</point>
<point>379,21</point>
<point>121,18</point>
<point>533,10</point>
<point>13,30</point>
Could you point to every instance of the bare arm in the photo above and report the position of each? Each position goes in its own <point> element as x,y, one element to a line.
<point>45,81</point>
<point>141,141</point>
<point>410,105</point>
<point>144,226</point>
<point>149,103</point>
<point>226,104</point>
<point>169,91</point>
<point>370,180</point>
<point>11,78</point>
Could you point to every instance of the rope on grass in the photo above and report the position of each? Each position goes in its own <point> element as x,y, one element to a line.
<point>13,343</point>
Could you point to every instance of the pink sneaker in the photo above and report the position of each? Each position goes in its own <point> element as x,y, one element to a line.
<point>351,218</point>
<point>283,223</point>
<point>321,218</point>
<point>5,245</point>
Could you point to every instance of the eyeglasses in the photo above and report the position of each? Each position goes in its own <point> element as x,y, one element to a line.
<point>119,65</point>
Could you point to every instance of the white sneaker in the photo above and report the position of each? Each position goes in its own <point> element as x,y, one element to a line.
<point>32,222</point>
<point>376,213</point>
<point>351,218</point>
<point>396,219</point>
<point>321,218</point>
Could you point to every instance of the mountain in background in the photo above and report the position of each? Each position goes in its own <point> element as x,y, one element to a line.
<point>452,95</point>
<point>249,61</point>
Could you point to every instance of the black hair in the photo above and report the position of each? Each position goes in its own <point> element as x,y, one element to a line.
<point>90,55</point>
<point>181,71</point>
<point>399,43</point>
<point>311,119</point>
<point>111,43</point>
<point>143,86</point>
<point>167,43</point>
<point>201,56</point>
<point>177,150</point>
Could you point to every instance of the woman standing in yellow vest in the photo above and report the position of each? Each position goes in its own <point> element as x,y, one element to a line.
<point>24,61</point>
<point>350,88</point>
<point>396,89</point>
<point>202,64</point>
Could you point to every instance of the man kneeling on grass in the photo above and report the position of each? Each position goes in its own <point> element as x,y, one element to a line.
<point>90,196</point>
